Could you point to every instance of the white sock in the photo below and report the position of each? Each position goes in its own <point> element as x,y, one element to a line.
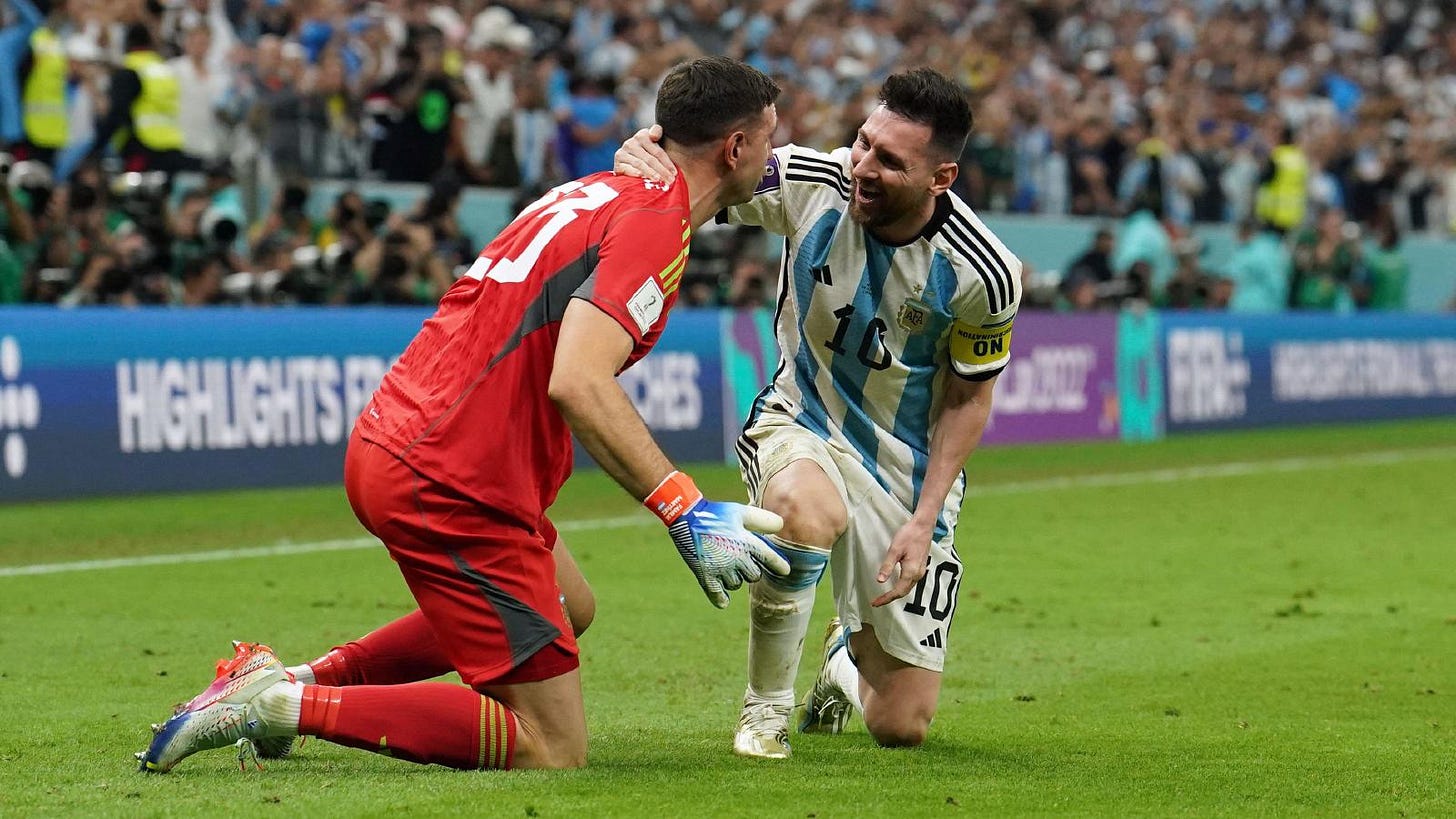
<point>845,675</point>
<point>303,673</point>
<point>778,622</point>
<point>280,706</point>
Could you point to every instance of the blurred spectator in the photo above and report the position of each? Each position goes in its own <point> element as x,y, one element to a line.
<point>1094,158</point>
<point>1191,287</point>
<point>200,89</point>
<point>1164,176</point>
<point>1260,271</point>
<point>1211,153</point>
<point>533,128</point>
<point>594,126</point>
<point>202,282</point>
<point>617,55</point>
<point>988,166</point>
<point>1089,279</point>
<point>748,287</point>
<point>490,77</point>
<point>1143,239</point>
<point>1325,260</point>
<point>591,26</point>
<point>421,132</point>
<point>1386,271</point>
<point>89,101</point>
<point>281,113</point>
<point>181,17</point>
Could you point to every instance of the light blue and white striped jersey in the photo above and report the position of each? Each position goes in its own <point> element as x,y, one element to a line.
<point>866,328</point>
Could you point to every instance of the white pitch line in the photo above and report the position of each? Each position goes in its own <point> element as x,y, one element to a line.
<point>1231,469</point>
<point>1189,473</point>
<point>276,550</point>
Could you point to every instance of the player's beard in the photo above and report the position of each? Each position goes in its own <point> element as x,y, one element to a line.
<point>878,211</point>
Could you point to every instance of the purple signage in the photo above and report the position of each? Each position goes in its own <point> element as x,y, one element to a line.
<point>1061,383</point>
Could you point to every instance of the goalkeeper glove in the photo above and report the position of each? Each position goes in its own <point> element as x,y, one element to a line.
<point>715,539</point>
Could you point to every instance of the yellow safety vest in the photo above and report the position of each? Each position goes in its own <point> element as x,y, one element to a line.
<point>154,114</point>
<point>44,112</point>
<point>1281,200</point>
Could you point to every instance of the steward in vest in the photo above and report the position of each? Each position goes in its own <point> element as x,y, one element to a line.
<point>43,96</point>
<point>143,117</point>
<point>1282,193</point>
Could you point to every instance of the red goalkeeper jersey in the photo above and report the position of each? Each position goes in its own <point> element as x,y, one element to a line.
<point>466,404</point>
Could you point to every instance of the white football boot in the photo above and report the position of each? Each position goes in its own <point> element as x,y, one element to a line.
<point>763,729</point>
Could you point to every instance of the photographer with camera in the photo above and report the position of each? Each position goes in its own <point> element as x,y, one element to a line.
<point>104,280</point>
<point>348,223</point>
<point>436,212</point>
<point>1326,260</point>
<point>400,267</point>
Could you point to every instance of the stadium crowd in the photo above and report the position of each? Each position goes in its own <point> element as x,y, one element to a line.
<point>1312,124</point>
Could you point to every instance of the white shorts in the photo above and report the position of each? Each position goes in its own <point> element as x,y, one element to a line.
<point>915,628</point>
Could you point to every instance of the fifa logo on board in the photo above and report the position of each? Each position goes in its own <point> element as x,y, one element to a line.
<point>1208,375</point>
<point>19,408</point>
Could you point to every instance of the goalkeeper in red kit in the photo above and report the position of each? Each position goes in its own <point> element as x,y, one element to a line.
<point>459,453</point>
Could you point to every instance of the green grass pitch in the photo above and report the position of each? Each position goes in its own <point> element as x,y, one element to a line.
<point>1143,630</point>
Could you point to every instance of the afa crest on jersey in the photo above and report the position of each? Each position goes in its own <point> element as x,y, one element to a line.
<point>913,316</point>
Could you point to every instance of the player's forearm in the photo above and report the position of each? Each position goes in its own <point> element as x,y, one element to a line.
<point>609,428</point>
<point>964,412</point>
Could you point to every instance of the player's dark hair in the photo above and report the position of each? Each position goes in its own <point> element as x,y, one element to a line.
<point>710,97</point>
<point>930,98</point>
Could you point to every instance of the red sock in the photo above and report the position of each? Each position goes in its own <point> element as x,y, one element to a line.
<point>428,723</point>
<point>404,651</point>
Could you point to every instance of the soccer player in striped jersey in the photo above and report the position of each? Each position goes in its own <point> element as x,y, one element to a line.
<point>894,318</point>
<point>463,447</point>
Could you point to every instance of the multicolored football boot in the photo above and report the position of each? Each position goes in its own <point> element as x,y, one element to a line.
<point>227,712</point>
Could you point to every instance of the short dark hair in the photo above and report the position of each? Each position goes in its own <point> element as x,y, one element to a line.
<point>137,38</point>
<point>930,98</point>
<point>707,98</point>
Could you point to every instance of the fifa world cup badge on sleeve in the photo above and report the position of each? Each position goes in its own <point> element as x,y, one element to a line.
<point>646,305</point>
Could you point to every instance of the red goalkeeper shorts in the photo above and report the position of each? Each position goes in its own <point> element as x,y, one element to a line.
<point>486,585</point>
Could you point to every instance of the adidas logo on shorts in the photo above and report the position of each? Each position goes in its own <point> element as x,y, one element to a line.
<point>934,640</point>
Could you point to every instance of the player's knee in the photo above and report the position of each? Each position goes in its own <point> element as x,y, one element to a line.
<point>806,521</point>
<point>902,730</point>
<point>899,721</point>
